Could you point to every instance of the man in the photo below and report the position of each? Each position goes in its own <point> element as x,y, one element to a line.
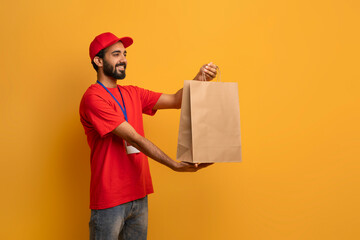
<point>112,118</point>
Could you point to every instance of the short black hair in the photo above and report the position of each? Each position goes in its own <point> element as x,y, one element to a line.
<point>100,54</point>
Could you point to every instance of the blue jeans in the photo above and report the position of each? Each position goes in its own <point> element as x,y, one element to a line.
<point>126,221</point>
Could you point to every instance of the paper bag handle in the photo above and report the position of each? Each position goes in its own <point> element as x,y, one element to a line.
<point>217,78</point>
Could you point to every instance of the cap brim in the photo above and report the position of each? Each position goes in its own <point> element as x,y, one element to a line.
<point>127,41</point>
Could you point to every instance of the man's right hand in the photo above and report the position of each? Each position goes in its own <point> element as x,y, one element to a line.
<point>190,167</point>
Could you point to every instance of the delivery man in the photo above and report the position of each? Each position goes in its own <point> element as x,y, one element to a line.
<point>111,115</point>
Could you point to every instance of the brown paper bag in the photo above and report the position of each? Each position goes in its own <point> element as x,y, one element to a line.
<point>209,129</point>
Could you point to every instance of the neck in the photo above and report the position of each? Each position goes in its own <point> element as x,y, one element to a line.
<point>108,82</point>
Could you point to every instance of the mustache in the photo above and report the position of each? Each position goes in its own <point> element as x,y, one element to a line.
<point>121,64</point>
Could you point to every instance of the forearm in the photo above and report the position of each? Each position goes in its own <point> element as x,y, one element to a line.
<point>178,98</point>
<point>152,151</point>
<point>128,133</point>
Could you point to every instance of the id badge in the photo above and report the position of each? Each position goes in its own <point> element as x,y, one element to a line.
<point>130,149</point>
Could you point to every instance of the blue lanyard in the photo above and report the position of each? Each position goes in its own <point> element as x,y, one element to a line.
<point>122,109</point>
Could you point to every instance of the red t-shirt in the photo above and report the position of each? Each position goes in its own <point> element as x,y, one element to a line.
<point>116,177</point>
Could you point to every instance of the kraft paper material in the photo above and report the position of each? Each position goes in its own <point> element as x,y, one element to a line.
<point>209,129</point>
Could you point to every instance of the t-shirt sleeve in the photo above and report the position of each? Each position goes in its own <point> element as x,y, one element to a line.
<point>101,114</point>
<point>148,100</point>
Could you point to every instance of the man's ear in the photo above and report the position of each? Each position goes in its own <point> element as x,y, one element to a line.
<point>98,61</point>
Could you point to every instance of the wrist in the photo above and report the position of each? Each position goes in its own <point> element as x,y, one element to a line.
<point>197,77</point>
<point>174,165</point>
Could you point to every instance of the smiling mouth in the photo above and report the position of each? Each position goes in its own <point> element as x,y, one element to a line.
<point>122,68</point>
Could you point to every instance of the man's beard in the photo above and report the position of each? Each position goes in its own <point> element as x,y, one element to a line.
<point>112,72</point>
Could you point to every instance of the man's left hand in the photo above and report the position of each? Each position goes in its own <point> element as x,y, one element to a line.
<point>208,71</point>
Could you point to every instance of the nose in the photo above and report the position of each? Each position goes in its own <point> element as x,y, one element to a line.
<point>123,58</point>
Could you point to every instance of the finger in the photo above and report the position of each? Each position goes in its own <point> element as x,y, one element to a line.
<point>209,67</point>
<point>187,164</point>
<point>192,169</point>
<point>212,68</point>
<point>210,74</point>
<point>189,168</point>
<point>212,65</point>
<point>203,67</point>
<point>213,74</point>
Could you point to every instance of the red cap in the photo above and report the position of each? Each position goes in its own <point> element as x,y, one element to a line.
<point>105,40</point>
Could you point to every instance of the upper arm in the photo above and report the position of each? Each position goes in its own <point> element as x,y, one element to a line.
<point>169,101</point>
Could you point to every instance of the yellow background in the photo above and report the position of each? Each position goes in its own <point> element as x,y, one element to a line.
<point>297,66</point>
